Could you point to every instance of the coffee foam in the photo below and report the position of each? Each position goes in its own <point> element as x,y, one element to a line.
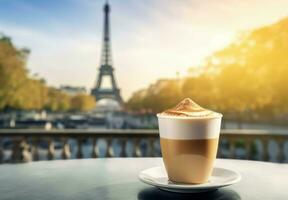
<point>188,109</point>
<point>188,120</point>
<point>177,128</point>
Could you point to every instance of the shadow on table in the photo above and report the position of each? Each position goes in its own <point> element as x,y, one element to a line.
<point>154,193</point>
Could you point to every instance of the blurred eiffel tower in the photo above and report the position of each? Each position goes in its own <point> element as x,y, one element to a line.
<point>106,68</point>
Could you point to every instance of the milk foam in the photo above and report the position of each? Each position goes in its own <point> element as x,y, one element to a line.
<point>188,108</point>
<point>188,120</point>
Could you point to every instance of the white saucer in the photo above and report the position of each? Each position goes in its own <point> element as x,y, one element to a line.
<point>157,177</point>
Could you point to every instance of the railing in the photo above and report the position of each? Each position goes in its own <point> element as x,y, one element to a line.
<point>33,145</point>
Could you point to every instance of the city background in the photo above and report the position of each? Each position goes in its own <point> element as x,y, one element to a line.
<point>100,67</point>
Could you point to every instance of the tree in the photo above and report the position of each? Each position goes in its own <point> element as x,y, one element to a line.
<point>12,72</point>
<point>20,91</point>
<point>164,93</point>
<point>57,101</point>
<point>247,76</point>
<point>82,102</point>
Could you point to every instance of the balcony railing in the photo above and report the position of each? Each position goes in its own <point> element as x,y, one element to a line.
<point>32,145</point>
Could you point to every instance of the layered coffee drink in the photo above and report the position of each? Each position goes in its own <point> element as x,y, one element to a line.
<point>189,141</point>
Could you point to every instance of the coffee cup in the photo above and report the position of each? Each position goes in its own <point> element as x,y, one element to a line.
<point>189,136</point>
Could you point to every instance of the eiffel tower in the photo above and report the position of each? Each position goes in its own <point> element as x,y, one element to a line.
<point>106,68</point>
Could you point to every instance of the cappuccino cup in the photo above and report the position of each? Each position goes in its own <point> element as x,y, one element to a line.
<point>189,136</point>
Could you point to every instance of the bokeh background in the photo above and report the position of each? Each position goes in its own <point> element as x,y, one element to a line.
<point>228,56</point>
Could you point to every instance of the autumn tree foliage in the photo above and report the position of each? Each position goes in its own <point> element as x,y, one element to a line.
<point>248,76</point>
<point>18,90</point>
<point>82,102</point>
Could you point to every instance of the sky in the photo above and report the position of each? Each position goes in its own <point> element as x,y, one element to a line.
<point>151,39</point>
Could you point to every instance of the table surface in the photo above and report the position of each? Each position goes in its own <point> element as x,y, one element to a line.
<point>116,178</point>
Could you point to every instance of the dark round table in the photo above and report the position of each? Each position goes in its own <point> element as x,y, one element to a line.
<point>117,178</point>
